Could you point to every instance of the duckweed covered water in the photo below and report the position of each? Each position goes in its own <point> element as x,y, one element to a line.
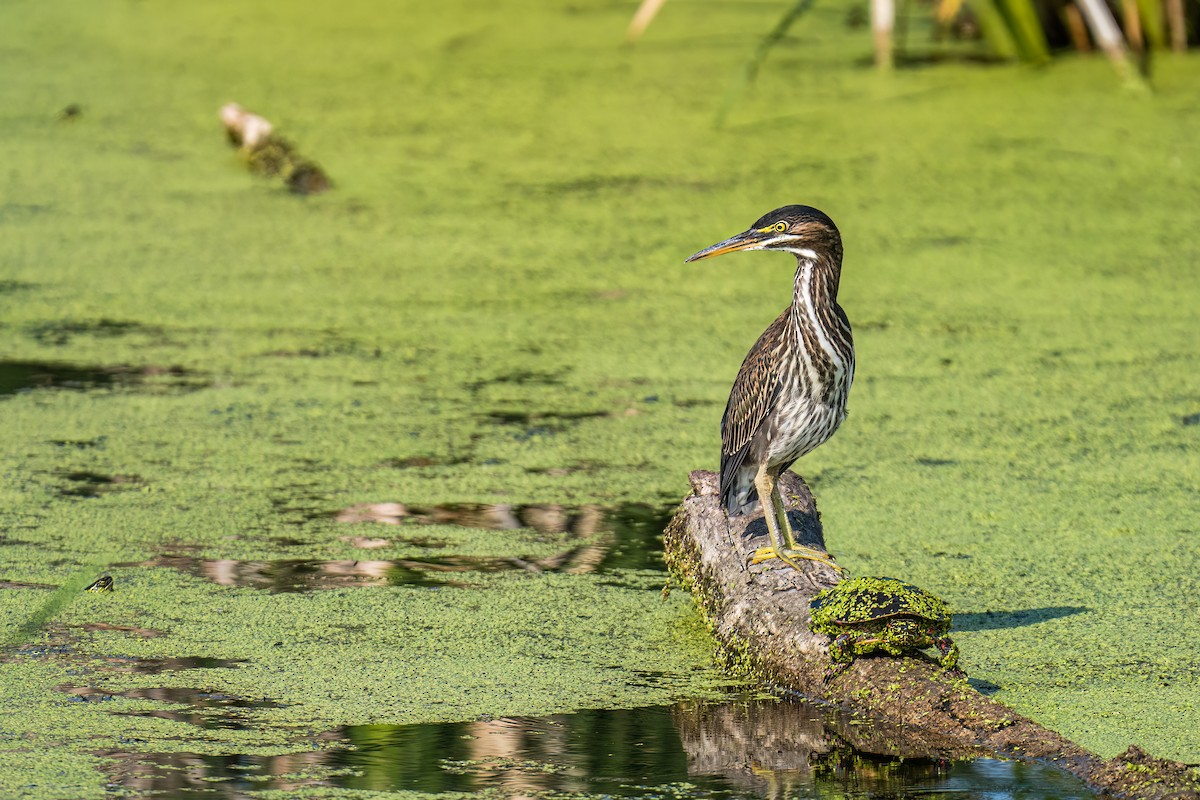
<point>490,308</point>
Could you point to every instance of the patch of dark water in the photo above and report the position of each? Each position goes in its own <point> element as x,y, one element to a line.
<point>590,185</point>
<point>132,630</point>
<point>984,687</point>
<point>18,377</point>
<point>300,506</point>
<point>935,462</point>
<point>22,584</point>
<point>540,423</point>
<point>559,472</point>
<point>691,403</point>
<point>418,462</point>
<point>83,483</point>
<point>62,648</point>
<point>749,749</point>
<point>156,666</point>
<point>208,709</point>
<point>24,376</point>
<point>60,332</point>
<point>47,652</point>
<point>523,377</point>
<point>594,539</point>
<point>80,444</point>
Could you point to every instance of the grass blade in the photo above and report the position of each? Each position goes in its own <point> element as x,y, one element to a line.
<point>56,602</point>
<point>750,69</point>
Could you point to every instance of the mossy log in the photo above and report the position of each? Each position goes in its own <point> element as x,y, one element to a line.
<point>759,615</point>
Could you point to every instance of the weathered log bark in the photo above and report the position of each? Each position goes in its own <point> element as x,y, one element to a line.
<point>759,615</point>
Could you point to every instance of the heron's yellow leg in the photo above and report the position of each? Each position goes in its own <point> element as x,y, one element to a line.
<point>799,550</point>
<point>783,539</point>
<point>766,493</point>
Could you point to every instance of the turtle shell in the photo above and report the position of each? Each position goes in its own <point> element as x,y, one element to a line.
<point>860,600</point>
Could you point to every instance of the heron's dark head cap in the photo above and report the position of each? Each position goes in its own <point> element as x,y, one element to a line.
<point>801,230</point>
<point>797,218</point>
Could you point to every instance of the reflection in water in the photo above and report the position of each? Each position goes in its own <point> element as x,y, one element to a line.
<point>299,575</point>
<point>625,537</point>
<point>206,709</point>
<point>752,749</point>
<point>594,539</point>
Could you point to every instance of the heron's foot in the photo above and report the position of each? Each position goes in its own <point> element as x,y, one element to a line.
<point>788,555</point>
<point>767,553</point>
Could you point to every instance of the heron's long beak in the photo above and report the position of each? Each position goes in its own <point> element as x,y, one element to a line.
<point>750,240</point>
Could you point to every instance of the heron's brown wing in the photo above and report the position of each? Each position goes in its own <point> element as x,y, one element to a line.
<point>755,392</point>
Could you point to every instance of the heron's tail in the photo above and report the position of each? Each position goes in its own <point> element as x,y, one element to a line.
<point>739,495</point>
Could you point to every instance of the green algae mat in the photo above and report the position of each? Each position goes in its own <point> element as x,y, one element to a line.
<point>396,453</point>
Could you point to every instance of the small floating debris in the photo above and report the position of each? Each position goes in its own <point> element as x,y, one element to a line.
<point>101,584</point>
<point>269,154</point>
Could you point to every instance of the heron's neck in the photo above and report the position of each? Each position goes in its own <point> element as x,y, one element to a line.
<point>822,335</point>
<point>816,286</point>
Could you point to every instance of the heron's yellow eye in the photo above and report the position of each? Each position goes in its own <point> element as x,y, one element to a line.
<point>779,226</point>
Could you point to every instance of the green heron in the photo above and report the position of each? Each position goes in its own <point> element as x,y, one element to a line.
<point>790,394</point>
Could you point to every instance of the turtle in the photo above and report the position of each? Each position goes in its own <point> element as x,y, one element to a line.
<point>868,614</point>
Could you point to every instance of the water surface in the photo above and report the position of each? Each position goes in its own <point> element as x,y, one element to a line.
<point>757,750</point>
